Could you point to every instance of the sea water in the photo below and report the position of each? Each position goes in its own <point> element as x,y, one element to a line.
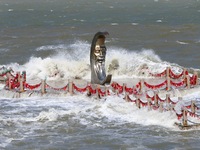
<point>51,40</point>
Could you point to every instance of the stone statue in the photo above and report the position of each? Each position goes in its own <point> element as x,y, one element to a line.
<point>97,59</point>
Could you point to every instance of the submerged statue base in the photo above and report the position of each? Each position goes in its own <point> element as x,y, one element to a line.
<point>97,59</point>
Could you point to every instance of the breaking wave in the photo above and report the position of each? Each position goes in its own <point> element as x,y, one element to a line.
<point>73,61</point>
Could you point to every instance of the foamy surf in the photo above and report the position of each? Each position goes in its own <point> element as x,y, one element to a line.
<point>39,39</point>
<point>113,108</point>
<point>38,114</point>
<point>182,43</point>
<point>34,109</point>
<point>72,61</point>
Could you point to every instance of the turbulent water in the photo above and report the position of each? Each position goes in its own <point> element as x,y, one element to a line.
<point>51,40</point>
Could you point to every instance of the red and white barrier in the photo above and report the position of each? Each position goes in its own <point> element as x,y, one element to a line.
<point>19,83</point>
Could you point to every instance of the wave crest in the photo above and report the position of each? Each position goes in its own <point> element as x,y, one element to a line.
<point>73,61</point>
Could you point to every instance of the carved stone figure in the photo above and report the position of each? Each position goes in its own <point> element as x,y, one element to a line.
<point>97,59</point>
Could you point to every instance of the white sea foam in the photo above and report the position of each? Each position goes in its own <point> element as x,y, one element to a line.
<point>114,24</point>
<point>117,109</point>
<point>159,21</point>
<point>85,109</point>
<point>73,60</point>
<point>182,43</point>
<point>175,31</point>
<point>51,47</point>
<point>134,24</point>
<point>4,49</point>
<point>88,111</point>
<point>30,9</point>
<point>10,10</point>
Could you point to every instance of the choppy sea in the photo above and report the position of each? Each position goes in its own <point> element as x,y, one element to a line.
<point>54,36</point>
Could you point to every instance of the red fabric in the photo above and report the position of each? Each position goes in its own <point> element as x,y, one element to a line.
<point>172,75</point>
<point>91,90</point>
<point>101,92</point>
<point>155,86</point>
<point>177,84</point>
<point>159,74</point>
<point>161,100</point>
<point>152,98</point>
<point>193,80</point>
<point>129,90</point>
<point>179,116</point>
<point>3,74</point>
<point>31,87</point>
<point>57,89</point>
<point>80,89</point>
<point>143,103</point>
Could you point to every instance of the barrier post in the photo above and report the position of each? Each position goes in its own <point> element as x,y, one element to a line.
<point>188,81</point>
<point>156,98</point>
<point>18,75</point>
<point>168,72</point>
<point>185,117</point>
<point>88,89</point>
<point>107,91</point>
<point>70,87</point>
<point>116,91</point>
<point>21,86</point>
<point>43,86</point>
<point>126,97</point>
<point>161,107</point>
<point>192,107</point>
<point>141,85</point>
<point>124,88</point>
<point>185,72</point>
<point>168,101</point>
<point>114,88</point>
<point>98,96</point>
<point>24,76</point>
<point>9,83</point>
<point>149,104</point>
<point>168,84</point>
<point>137,101</point>
<point>196,75</point>
<point>168,98</point>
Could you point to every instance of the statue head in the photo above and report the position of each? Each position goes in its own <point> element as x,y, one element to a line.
<point>97,58</point>
<point>100,53</point>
